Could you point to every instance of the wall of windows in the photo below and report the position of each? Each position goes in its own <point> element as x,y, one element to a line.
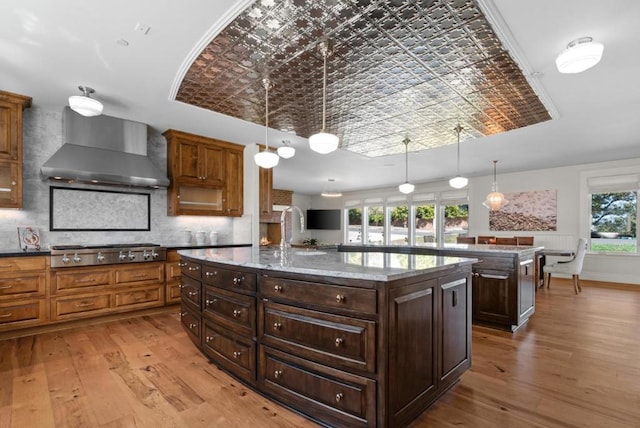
<point>422,219</point>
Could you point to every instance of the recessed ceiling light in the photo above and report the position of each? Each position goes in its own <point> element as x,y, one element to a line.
<point>123,43</point>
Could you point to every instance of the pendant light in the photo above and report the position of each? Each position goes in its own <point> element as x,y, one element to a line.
<point>266,158</point>
<point>331,191</point>
<point>458,182</point>
<point>580,55</point>
<point>495,200</point>
<point>285,151</point>
<point>84,104</point>
<point>324,142</point>
<point>406,187</point>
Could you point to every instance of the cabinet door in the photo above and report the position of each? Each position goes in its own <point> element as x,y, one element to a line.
<point>266,186</point>
<point>412,350</point>
<point>212,164</point>
<point>492,298</point>
<point>234,183</point>
<point>10,185</point>
<point>186,163</point>
<point>9,137</point>
<point>527,292</point>
<point>456,327</point>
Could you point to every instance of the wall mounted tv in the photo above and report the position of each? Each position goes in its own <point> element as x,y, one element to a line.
<point>323,219</point>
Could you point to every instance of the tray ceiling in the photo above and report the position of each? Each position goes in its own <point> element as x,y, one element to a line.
<point>398,68</point>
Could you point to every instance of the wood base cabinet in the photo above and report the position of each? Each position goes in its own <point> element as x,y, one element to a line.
<point>23,288</point>
<point>344,352</point>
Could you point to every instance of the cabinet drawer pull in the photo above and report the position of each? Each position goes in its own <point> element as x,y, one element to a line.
<point>140,296</point>
<point>179,285</point>
<point>277,326</point>
<point>85,305</point>
<point>183,314</point>
<point>181,264</point>
<point>192,325</point>
<point>209,274</point>
<point>236,354</point>
<point>210,302</point>
<point>340,298</point>
<point>81,281</point>
<point>5,266</point>
<point>277,288</point>
<point>339,341</point>
<point>209,338</point>
<point>237,280</point>
<point>277,374</point>
<point>339,397</point>
<point>192,293</point>
<point>6,315</point>
<point>140,275</point>
<point>237,313</point>
<point>6,287</point>
<point>193,268</point>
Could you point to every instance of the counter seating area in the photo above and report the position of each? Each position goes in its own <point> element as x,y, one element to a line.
<point>496,240</point>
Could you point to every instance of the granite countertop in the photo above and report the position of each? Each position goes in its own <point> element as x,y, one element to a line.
<point>349,264</point>
<point>467,248</point>
<point>44,251</point>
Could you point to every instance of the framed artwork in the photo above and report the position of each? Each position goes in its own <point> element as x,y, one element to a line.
<point>526,211</point>
<point>29,238</point>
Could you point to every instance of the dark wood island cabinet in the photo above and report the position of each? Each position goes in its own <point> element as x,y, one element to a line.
<point>348,339</point>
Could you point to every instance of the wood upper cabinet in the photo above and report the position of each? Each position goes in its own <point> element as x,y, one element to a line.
<point>11,106</point>
<point>206,175</point>
<point>266,186</point>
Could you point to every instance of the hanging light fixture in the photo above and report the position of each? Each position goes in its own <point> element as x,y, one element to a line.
<point>495,200</point>
<point>285,151</point>
<point>580,55</point>
<point>266,158</point>
<point>84,104</point>
<point>324,142</point>
<point>331,191</point>
<point>458,182</point>
<point>406,187</point>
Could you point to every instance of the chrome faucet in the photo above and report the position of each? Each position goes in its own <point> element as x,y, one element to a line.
<point>283,216</point>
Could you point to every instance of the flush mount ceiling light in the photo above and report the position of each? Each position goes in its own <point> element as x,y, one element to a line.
<point>285,151</point>
<point>495,200</point>
<point>406,187</point>
<point>458,182</point>
<point>580,55</point>
<point>266,158</point>
<point>331,191</point>
<point>324,142</point>
<point>84,104</point>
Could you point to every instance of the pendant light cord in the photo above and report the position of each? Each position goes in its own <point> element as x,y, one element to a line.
<point>266,83</point>
<point>458,129</point>
<point>406,142</point>
<point>325,51</point>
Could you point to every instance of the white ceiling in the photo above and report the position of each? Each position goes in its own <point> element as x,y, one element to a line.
<point>49,48</point>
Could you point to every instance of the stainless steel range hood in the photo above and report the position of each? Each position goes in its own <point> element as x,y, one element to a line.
<point>103,150</point>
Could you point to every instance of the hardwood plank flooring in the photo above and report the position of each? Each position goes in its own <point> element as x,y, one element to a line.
<point>576,363</point>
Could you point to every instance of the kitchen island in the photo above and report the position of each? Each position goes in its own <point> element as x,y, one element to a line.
<point>504,279</point>
<point>350,339</point>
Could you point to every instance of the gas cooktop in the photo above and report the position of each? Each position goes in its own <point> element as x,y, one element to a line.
<point>74,255</point>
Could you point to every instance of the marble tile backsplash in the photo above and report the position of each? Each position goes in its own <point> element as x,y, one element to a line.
<point>42,136</point>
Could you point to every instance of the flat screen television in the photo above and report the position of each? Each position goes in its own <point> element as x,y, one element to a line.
<point>323,219</point>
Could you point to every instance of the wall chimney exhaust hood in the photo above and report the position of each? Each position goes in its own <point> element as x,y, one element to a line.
<point>103,150</point>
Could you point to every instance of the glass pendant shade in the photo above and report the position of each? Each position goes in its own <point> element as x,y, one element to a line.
<point>266,158</point>
<point>406,188</point>
<point>323,142</point>
<point>495,200</point>
<point>458,182</point>
<point>286,152</point>
<point>84,104</point>
<point>580,55</point>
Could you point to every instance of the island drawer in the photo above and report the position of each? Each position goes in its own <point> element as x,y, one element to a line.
<point>332,396</point>
<point>338,341</point>
<point>14,285</point>
<point>191,322</point>
<point>233,310</point>
<point>233,352</point>
<point>229,279</point>
<point>190,291</point>
<point>328,296</point>
<point>190,268</point>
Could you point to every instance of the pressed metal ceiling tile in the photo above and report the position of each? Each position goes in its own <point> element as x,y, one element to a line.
<point>398,68</point>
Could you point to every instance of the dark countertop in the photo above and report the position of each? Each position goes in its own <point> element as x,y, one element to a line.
<point>16,252</point>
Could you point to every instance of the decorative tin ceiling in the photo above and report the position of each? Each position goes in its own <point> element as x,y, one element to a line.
<point>399,68</point>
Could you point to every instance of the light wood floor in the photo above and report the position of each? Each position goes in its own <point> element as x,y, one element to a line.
<point>577,363</point>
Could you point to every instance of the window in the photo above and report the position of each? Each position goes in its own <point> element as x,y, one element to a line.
<point>613,204</point>
<point>354,222</point>
<point>398,224</point>
<point>425,217</point>
<point>456,222</point>
<point>375,224</point>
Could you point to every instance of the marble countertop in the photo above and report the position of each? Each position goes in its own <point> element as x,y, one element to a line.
<point>467,248</point>
<point>347,264</point>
